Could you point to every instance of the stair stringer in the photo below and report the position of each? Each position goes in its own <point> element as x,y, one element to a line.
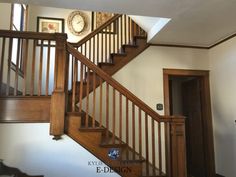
<point>91,140</point>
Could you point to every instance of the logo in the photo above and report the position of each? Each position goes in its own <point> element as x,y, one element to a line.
<point>114,154</point>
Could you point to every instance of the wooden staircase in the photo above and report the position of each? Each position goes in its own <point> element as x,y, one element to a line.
<point>90,106</point>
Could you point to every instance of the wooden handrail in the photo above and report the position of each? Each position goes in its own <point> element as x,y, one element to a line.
<point>121,88</point>
<point>96,31</point>
<point>28,35</point>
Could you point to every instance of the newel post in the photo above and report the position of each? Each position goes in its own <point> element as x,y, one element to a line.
<point>178,147</point>
<point>58,99</point>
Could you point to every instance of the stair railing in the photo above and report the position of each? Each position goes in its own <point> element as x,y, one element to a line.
<point>159,139</point>
<point>27,61</point>
<point>109,38</point>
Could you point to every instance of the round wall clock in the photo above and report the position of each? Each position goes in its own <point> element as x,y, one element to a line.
<point>76,22</point>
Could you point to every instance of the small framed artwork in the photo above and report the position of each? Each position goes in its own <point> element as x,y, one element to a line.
<point>50,25</point>
<point>99,18</point>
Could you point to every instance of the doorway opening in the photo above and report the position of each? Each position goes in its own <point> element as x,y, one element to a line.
<point>187,93</point>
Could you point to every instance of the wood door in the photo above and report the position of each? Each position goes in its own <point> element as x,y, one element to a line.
<point>192,109</point>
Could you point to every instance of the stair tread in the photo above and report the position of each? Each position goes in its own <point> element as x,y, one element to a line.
<point>140,37</point>
<point>130,45</point>
<point>105,63</point>
<point>108,142</point>
<point>118,54</point>
<point>92,129</point>
<point>74,113</point>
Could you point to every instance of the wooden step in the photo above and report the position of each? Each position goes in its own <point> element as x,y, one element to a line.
<point>108,142</point>
<point>91,129</point>
<point>127,48</point>
<point>103,65</point>
<point>117,57</point>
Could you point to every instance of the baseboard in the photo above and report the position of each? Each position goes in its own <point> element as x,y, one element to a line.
<point>217,175</point>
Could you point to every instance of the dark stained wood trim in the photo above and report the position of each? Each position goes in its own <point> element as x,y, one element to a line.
<point>29,35</point>
<point>196,47</point>
<point>223,40</point>
<point>179,46</point>
<point>207,116</point>
<point>25,109</point>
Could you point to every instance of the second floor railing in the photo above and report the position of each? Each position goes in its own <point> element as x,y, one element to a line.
<point>27,63</point>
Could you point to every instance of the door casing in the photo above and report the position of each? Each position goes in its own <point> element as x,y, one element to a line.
<point>206,110</point>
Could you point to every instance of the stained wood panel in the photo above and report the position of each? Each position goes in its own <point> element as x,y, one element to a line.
<point>23,109</point>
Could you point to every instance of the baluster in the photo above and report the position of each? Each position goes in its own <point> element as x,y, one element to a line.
<point>129,30</point>
<point>98,47</point>
<point>81,86</point>
<point>85,50</point>
<point>75,64</point>
<point>140,132</point>
<point>94,61</point>
<point>120,131</point>
<point>102,46</point>
<point>48,67</point>
<point>167,148</point>
<point>133,31</point>
<point>2,63</point>
<point>101,95</point>
<point>94,97</point>
<point>125,23</point>
<point>9,66</point>
<point>25,61</point>
<point>40,69</point>
<point>114,37</point>
<point>133,126</point>
<point>153,146</point>
<point>17,67</point>
<point>106,45</point>
<point>109,43</point>
<point>121,29</point>
<point>87,100</point>
<point>127,121</point>
<point>114,116</point>
<point>160,146</point>
<point>33,69</point>
<point>107,109</point>
<point>117,36</point>
<point>147,145</point>
<point>90,51</point>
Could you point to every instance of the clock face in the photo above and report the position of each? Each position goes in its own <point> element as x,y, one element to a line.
<point>76,23</point>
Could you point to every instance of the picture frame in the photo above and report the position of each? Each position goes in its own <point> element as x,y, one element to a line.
<point>50,25</point>
<point>99,18</point>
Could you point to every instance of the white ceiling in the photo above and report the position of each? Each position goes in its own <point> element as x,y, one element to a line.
<point>193,22</point>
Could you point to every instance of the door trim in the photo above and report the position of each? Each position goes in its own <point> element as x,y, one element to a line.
<point>206,110</point>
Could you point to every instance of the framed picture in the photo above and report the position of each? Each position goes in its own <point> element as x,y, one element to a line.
<point>99,18</point>
<point>49,25</point>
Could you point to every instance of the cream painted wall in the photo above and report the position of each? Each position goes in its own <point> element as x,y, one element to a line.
<point>30,148</point>
<point>144,75</point>
<point>223,87</point>
<point>5,8</point>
